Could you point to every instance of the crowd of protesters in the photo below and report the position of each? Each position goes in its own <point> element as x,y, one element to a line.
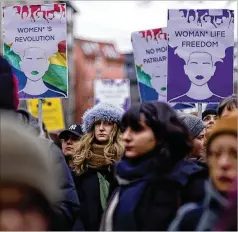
<point>150,168</point>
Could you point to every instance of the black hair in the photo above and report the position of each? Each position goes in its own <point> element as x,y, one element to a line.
<point>174,142</point>
<point>230,103</point>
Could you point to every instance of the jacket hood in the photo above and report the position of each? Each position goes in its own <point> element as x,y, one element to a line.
<point>184,170</point>
<point>29,120</point>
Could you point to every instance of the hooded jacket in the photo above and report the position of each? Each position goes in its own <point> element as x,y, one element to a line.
<point>68,209</point>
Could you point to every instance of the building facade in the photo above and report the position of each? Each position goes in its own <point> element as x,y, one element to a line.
<point>94,60</point>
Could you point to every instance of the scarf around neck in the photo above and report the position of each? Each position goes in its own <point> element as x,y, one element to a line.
<point>133,176</point>
<point>96,157</point>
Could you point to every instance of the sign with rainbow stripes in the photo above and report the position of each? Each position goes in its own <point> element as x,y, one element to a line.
<point>35,46</point>
<point>150,48</point>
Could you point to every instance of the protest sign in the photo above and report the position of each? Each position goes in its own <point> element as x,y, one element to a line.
<point>52,111</point>
<point>113,91</point>
<point>150,48</point>
<point>200,55</point>
<point>35,46</point>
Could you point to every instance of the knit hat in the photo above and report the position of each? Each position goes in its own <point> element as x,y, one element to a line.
<point>224,125</point>
<point>25,160</point>
<point>101,111</point>
<point>9,98</point>
<point>207,112</point>
<point>194,124</point>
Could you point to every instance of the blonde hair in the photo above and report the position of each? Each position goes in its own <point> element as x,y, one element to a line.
<point>112,152</point>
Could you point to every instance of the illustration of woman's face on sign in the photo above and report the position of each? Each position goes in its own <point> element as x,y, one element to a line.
<point>199,68</point>
<point>34,63</point>
<point>159,81</point>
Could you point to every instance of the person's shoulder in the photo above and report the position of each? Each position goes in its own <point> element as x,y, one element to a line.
<point>220,98</point>
<point>187,217</point>
<point>185,170</point>
<point>52,93</point>
<point>179,98</point>
<point>57,93</point>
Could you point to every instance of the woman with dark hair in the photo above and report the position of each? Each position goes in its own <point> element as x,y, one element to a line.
<point>153,171</point>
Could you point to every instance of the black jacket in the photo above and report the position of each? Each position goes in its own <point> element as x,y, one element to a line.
<point>162,198</point>
<point>203,216</point>
<point>66,212</point>
<point>88,190</point>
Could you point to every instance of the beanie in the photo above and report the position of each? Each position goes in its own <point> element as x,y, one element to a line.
<point>194,124</point>
<point>101,111</point>
<point>9,98</point>
<point>207,112</point>
<point>223,126</point>
<point>24,160</point>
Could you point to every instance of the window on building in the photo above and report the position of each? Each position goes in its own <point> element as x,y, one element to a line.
<point>110,52</point>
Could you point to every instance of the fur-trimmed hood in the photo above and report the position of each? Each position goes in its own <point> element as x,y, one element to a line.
<point>101,111</point>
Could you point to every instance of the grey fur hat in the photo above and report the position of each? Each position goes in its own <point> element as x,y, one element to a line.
<point>194,124</point>
<point>101,111</point>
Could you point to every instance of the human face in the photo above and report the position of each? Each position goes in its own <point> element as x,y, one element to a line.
<point>209,121</point>
<point>139,142</point>
<point>102,130</point>
<point>198,145</point>
<point>34,63</point>
<point>69,142</point>
<point>199,68</point>
<point>226,112</point>
<point>16,216</point>
<point>222,162</point>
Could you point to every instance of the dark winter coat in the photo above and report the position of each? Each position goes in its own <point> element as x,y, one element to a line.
<point>203,216</point>
<point>68,208</point>
<point>162,197</point>
<point>88,190</point>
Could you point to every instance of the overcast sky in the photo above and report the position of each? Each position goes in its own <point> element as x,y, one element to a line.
<point>116,20</point>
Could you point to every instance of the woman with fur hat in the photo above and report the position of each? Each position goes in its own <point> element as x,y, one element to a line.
<point>152,173</point>
<point>222,165</point>
<point>97,151</point>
